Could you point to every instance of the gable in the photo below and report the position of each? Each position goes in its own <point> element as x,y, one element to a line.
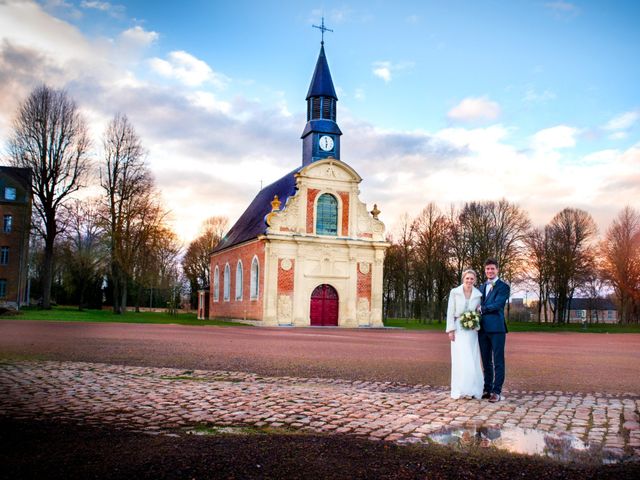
<point>330,169</point>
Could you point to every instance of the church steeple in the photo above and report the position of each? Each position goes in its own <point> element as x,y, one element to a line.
<point>321,83</point>
<point>321,135</point>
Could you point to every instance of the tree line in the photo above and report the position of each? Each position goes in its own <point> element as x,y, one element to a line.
<point>118,247</point>
<point>560,261</point>
<point>117,244</point>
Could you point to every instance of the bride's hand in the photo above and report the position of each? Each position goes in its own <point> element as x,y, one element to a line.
<point>452,336</point>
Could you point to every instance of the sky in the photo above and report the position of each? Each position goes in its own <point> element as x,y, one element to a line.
<point>534,101</point>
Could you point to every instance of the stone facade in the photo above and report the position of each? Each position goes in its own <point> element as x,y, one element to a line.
<point>294,259</point>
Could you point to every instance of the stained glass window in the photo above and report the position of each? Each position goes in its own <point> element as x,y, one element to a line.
<point>327,215</point>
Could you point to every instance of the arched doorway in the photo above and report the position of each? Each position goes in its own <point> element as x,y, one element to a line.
<point>324,306</point>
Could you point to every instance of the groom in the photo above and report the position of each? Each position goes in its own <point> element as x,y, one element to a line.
<point>493,329</point>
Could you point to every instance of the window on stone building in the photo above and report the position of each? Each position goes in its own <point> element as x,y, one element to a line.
<point>227,283</point>
<point>327,215</point>
<point>8,223</point>
<point>9,193</point>
<point>4,255</point>
<point>255,278</point>
<point>216,284</point>
<point>239,280</point>
<point>3,287</point>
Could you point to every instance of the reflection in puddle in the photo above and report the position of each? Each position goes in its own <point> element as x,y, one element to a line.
<point>557,445</point>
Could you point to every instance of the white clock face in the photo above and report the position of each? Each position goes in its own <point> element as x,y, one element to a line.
<point>326,143</point>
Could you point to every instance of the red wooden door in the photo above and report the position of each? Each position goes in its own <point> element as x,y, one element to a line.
<point>324,306</point>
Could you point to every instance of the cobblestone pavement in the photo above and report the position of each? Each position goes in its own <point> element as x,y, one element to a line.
<point>162,399</point>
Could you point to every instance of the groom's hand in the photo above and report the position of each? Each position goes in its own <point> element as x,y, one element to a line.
<point>452,336</point>
<point>479,309</point>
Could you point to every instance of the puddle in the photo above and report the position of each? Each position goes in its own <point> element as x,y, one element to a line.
<point>215,430</point>
<point>556,445</point>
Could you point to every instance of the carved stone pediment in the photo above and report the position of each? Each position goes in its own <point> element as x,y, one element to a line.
<point>368,227</point>
<point>286,220</point>
<point>331,169</point>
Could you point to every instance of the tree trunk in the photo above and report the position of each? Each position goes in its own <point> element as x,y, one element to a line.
<point>47,273</point>
<point>138,298</point>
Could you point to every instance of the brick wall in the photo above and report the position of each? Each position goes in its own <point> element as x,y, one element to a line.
<point>285,277</point>
<point>311,198</point>
<point>345,213</point>
<point>17,241</point>
<point>244,308</point>
<point>364,284</point>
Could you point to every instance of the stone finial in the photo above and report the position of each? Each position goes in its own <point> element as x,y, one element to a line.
<point>375,212</point>
<point>275,203</point>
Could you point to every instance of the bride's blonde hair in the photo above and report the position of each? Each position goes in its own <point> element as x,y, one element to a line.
<point>469,271</point>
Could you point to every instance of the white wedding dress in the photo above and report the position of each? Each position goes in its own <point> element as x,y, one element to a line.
<point>466,370</point>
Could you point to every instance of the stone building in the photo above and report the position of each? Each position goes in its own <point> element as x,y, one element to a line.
<point>306,251</point>
<point>15,212</point>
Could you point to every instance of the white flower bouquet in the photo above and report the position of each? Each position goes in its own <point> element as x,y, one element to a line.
<point>470,320</point>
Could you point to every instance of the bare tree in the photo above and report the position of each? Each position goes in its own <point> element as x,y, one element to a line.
<point>433,272</point>
<point>571,256</point>
<point>537,267</point>
<point>620,252</point>
<point>83,248</point>
<point>128,187</point>
<point>148,240</point>
<point>158,272</point>
<point>496,230</point>
<point>50,137</point>
<point>398,265</point>
<point>196,263</point>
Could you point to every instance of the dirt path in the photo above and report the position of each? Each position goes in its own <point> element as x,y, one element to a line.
<point>569,362</point>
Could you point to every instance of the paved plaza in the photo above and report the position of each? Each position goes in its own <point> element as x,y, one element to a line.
<point>159,400</point>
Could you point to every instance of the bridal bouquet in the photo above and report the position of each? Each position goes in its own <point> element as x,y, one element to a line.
<point>470,320</point>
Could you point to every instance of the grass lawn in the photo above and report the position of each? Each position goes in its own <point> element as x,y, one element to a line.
<point>414,324</point>
<point>72,314</point>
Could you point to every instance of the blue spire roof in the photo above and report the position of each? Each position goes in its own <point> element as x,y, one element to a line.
<point>321,83</point>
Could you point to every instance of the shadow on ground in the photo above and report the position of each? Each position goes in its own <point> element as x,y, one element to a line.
<point>54,450</point>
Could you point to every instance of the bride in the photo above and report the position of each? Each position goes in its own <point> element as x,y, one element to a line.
<point>466,370</point>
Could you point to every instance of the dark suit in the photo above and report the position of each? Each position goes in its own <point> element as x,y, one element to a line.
<point>492,334</point>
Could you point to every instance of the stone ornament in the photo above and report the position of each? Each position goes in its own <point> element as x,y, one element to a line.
<point>364,268</point>
<point>285,264</point>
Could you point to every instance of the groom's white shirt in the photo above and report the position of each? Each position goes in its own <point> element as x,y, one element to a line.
<point>489,286</point>
<point>456,305</point>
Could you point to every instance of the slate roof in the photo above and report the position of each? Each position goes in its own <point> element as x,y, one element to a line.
<point>590,304</point>
<point>251,223</point>
<point>321,83</point>
<point>22,176</point>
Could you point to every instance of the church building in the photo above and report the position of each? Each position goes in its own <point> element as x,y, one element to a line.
<point>306,252</point>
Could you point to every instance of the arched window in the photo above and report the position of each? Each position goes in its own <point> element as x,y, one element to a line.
<point>255,279</point>
<point>327,215</point>
<point>239,280</point>
<point>216,284</point>
<point>227,282</point>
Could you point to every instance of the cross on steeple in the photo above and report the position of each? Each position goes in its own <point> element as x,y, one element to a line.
<point>323,29</point>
